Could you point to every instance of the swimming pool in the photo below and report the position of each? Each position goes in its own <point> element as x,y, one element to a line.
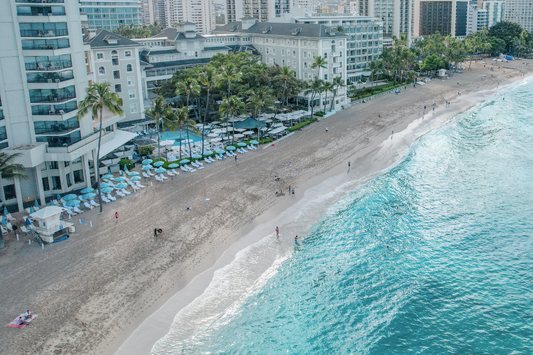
<point>175,136</point>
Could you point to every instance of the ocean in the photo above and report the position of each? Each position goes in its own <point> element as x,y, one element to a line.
<point>433,256</point>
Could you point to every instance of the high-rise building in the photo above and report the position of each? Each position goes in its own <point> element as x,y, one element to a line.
<point>520,12</point>
<point>395,14</point>
<point>448,17</point>
<point>199,12</point>
<point>262,10</point>
<point>110,14</point>
<point>477,18</point>
<point>43,77</point>
<point>495,11</point>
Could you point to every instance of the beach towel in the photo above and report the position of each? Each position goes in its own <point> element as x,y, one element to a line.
<point>15,322</point>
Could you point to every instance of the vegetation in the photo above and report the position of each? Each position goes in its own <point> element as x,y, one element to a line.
<point>146,150</point>
<point>125,164</point>
<point>9,169</point>
<point>136,31</point>
<point>302,124</point>
<point>99,97</point>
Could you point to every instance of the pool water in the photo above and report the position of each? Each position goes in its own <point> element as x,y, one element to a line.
<point>177,137</point>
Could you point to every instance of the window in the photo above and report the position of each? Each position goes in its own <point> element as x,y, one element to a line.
<point>99,56</point>
<point>101,71</point>
<point>129,68</point>
<point>69,183</point>
<point>133,108</point>
<point>67,163</point>
<point>127,53</point>
<point>283,52</point>
<point>56,183</point>
<point>326,77</point>
<point>46,184</point>
<point>118,88</point>
<point>131,94</point>
<point>9,192</point>
<point>305,65</point>
<point>116,74</point>
<point>78,176</point>
<point>114,58</point>
<point>54,165</point>
<point>131,82</point>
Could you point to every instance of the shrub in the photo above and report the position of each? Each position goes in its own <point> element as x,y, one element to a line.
<point>302,124</point>
<point>319,113</point>
<point>265,140</point>
<point>146,150</point>
<point>125,163</point>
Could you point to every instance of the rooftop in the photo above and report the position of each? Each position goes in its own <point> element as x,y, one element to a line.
<point>282,29</point>
<point>107,39</point>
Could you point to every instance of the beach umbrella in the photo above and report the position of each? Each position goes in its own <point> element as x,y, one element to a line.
<point>248,132</point>
<point>87,190</point>
<point>89,196</point>
<point>159,163</point>
<point>51,203</point>
<point>121,185</point>
<point>27,222</point>
<point>36,204</point>
<point>107,176</point>
<point>136,178</point>
<point>173,166</point>
<point>239,135</point>
<point>147,161</point>
<point>119,179</point>
<point>104,185</point>
<point>107,190</point>
<point>214,135</point>
<point>208,152</point>
<point>217,130</point>
<point>4,222</point>
<point>216,140</point>
<point>58,197</point>
<point>5,209</point>
<point>31,210</point>
<point>221,151</point>
<point>196,156</point>
<point>133,173</point>
<point>185,161</point>
<point>160,170</point>
<point>230,147</point>
<point>240,129</point>
<point>147,167</point>
<point>254,142</point>
<point>241,144</point>
<point>69,197</point>
<point>73,203</point>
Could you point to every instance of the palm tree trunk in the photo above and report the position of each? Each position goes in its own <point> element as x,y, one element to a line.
<point>97,167</point>
<point>233,134</point>
<point>281,99</point>
<point>158,140</point>
<point>333,100</point>
<point>189,142</point>
<point>205,118</point>
<point>180,142</point>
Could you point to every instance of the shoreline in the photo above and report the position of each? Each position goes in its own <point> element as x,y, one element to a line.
<point>150,330</point>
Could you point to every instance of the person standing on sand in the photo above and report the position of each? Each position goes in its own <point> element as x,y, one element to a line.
<point>326,129</point>
<point>292,192</point>
<point>277,232</point>
<point>296,240</point>
<point>289,189</point>
<point>116,217</point>
<point>236,161</point>
<point>349,166</point>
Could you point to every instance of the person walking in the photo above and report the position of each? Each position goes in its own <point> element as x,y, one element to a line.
<point>292,192</point>
<point>155,232</point>
<point>236,160</point>
<point>296,240</point>
<point>349,166</point>
<point>116,217</point>
<point>277,232</point>
<point>326,129</point>
<point>289,189</point>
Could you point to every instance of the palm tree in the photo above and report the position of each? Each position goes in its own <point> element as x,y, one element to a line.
<point>285,74</point>
<point>180,118</point>
<point>260,99</point>
<point>9,169</point>
<point>327,87</point>
<point>209,78</point>
<point>99,97</point>
<point>319,63</point>
<point>158,111</point>
<point>231,106</point>
<point>337,83</point>
<point>376,67</point>
<point>229,74</point>
<point>188,87</point>
<point>314,87</point>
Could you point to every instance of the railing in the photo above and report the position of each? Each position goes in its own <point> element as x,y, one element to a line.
<point>61,141</point>
<point>33,46</point>
<point>51,98</point>
<point>50,78</point>
<point>54,109</point>
<point>43,33</point>
<point>1,114</point>
<point>49,65</point>
<point>40,1</point>
<point>56,127</point>
<point>40,11</point>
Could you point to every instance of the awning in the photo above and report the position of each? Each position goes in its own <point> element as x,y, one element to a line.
<point>121,138</point>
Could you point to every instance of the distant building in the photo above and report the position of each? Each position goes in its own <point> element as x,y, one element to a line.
<point>446,17</point>
<point>477,19</point>
<point>495,11</point>
<point>520,12</point>
<point>110,14</point>
<point>262,10</point>
<point>395,14</point>
<point>199,12</point>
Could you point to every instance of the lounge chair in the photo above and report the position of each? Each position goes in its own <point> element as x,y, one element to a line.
<point>9,226</point>
<point>175,172</point>
<point>4,230</point>
<point>25,230</point>
<point>35,208</point>
<point>158,178</point>
<point>146,175</point>
<point>111,197</point>
<point>212,160</point>
<point>163,177</point>
<point>198,166</point>
<point>191,170</point>
<point>55,202</point>
<point>77,210</point>
<point>149,173</point>
<point>139,185</point>
<point>105,199</point>
<point>94,204</point>
<point>120,193</point>
<point>207,161</point>
<point>126,192</point>
<point>169,173</point>
<point>198,162</point>
<point>87,205</point>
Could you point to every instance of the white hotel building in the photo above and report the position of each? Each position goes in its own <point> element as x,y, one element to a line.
<point>44,73</point>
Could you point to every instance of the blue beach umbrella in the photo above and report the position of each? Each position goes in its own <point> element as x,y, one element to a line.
<point>73,203</point>
<point>135,178</point>
<point>133,173</point>
<point>51,203</point>
<point>104,185</point>
<point>147,161</point>
<point>147,167</point>
<point>241,144</point>
<point>230,147</point>
<point>208,152</point>
<point>89,196</point>
<point>4,222</point>
<point>185,161</point>
<point>5,209</point>
<point>221,151</point>
<point>58,197</point>
<point>87,190</point>
<point>31,210</point>
<point>69,197</point>
<point>107,190</point>
<point>173,166</point>
<point>121,185</point>
<point>159,163</point>
<point>27,222</point>
<point>254,142</point>
<point>119,179</point>
<point>107,176</point>
<point>196,156</point>
<point>36,204</point>
<point>160,170</point>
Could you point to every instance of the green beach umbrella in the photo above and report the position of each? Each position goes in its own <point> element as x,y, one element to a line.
<point>121,185</point>
<point>107,190</point>
<point>159,163</point>
<point>135,178</point>
<point>147,167</point>
<point>160,170</point>
<point>196,156</point>
<point>241,144</point>
<point>87,190</point>
<point>230,147</point>
<point>221,151</point>
<point>89,196</point>
<point>185,161</point>
<point>173,166</point>
<point>69,197</point>
<point>147,161</point>
<point>208,153</point>
<point>254,142</point>
<point>73,203</point>
<point>133,173</point>
<point>119,179</point>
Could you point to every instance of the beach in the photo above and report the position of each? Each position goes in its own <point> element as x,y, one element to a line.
<point>92,291</point>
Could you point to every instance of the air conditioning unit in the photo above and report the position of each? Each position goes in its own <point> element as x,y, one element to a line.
<point>296,31</point>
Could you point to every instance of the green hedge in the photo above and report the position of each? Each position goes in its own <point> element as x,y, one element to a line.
<point>302,124</point>
<point>367,92</point>
<point>265,140</point>
<point>125,163</point>
<point>319,113</point>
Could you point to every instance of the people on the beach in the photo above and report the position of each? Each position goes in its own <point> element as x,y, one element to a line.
<point>296,239</point>
<point>276,178</point>
<point>236,161</point>
<point>155,232</point>
<point>349,166</point>
<point>116,217</point>
<point>21,321</point>
<point>326,129</point>
<point>277,232</point>
<point>289,189</point>
<point>293,192</point>
<point>189,208</point>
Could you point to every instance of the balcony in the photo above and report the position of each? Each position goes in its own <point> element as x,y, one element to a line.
<point>41,11</point>
<point>52,96</point>
<point>42,2</point>
<point>49,66</point>
<point>43,33</point>
<point>61,141</point>
<point>45,44</point>
<point>55,112</point>
<point>50,77</point>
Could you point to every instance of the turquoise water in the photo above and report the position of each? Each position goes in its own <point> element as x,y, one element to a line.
<point>435,256</point>
<point>176,136</point>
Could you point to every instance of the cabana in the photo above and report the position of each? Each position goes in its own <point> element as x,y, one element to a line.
<point>48,225</point>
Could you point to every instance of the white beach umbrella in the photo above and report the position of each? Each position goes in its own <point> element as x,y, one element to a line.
<point>216,140</point>
<point>248,132</point>
<point>214,135</point>
<point>239,135</point>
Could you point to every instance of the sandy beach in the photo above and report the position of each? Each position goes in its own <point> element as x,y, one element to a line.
<point>95,292</point>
